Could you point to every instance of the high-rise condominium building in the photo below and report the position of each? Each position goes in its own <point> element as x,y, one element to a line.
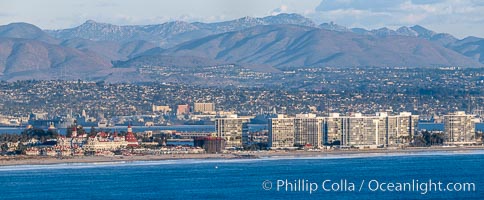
<point>233,130</point>
<point>281,132</point>
<point>308,130</point>
<point>377,130</point>
<point>353,130</point>
<point>334,128</point>
<point>401,128</point>
<point>459,128</point>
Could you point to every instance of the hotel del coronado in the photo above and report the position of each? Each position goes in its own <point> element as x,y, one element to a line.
<point>102,143</point>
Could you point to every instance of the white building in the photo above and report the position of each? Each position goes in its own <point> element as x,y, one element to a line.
<point>308,130</point>
<point>369,131</point>
<point>233,130</point>
<point>459,128</point>
<point>281,132</point>
<point>203,108</point>
<point>105,142</point>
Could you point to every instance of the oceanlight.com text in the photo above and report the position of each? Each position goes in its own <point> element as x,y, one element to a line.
<point>343,185</point>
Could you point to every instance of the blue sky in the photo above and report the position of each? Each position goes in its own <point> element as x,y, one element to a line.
<point>458,17</point>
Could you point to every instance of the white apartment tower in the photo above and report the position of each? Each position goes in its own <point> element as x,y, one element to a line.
<point>232,129</point>
<point>281,132</point>
<point>459,128</point>
<point>308,130</point>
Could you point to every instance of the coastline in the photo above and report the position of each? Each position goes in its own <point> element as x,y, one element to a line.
<point>371,152</point>
<point>44,160</point>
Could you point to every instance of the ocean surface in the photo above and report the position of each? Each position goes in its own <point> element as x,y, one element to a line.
<point>250,179</point>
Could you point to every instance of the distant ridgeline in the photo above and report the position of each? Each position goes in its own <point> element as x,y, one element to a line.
<point>100,51</point>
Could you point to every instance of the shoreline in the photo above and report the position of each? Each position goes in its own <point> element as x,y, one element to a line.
<point>410,151</point>
<point>44,160</point>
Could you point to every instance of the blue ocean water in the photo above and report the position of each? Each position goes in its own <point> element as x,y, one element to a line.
<point>244,179</point>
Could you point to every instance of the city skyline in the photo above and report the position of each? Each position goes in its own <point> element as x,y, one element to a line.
<point>217,99</point>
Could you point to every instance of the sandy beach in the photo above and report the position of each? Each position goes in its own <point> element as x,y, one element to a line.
<point>45,160</point>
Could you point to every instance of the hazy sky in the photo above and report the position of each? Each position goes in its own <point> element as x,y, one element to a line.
<point>458,17</point>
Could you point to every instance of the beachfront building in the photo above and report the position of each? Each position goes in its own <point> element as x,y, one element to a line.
<point>71,142</point>
<point>369,131</point>
<point>32,151</point>
<point>459,128</point>
<point>51,152</point>
<point>233,130</point>
<point>281,132</point>
<point>307,130</point>
<point>401,128</point>
<point>363,131</point>
<point>304,130</point>
<point>105,142</point>
<point>210,144</point>
<point>335,129</point>
<point>75,141</point>
<point>130,139</point>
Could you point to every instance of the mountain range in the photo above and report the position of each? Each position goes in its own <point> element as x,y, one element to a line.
<point>286,46</point>
<point>106,51</point>
<point>170,33</point>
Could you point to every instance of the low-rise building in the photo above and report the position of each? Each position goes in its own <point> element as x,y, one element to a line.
<point>162,109</point>
<point>183,109</point>
<point>32,151</point>
<point>210,144</point>
<point>204,108</point>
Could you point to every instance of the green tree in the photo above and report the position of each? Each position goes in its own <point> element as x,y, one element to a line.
<point>52,133</point>
<point>81,130</point>
<point>21,149</point>
<point>70,129</point>
<point>426,136</point>
<point>93,131</point>
<point>4,147</point>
